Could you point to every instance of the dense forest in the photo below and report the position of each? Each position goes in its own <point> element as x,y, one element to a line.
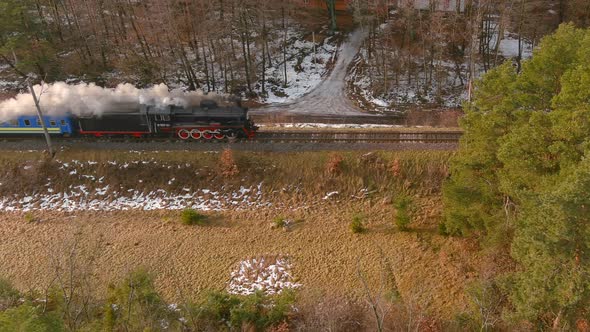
<point>416,52</point>
<point>211,45</point>
<point>521,180</point>
<point>431,56</point>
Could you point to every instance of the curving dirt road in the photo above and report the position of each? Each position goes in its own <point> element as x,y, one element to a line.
<point>329,97</point>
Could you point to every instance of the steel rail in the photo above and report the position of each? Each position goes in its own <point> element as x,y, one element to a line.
<point>348,136</point>
<point>302,136</point>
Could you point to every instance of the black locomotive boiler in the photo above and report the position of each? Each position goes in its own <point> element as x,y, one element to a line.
<point>208,121</point>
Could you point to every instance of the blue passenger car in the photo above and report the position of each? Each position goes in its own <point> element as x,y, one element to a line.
<point>30,124</point>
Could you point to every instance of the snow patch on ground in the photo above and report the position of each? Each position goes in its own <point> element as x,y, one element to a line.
<point>330,195</point>
<point>305,125</point>
<point>7,79</point>
<point>88,193</point>
<point>509,47</point>
<point>305,70</point>
<point>79,198</point>
<point>270,275</point>
<point>444,90</point>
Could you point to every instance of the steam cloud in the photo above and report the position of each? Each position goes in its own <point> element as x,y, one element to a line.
<point>89,99</point>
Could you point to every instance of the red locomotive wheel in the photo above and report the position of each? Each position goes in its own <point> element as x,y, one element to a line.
<point>218,135</point>
<point>184,134</point>
<point>196,134</point>
<point>207,134</point>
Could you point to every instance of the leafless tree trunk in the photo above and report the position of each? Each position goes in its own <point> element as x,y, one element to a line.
<point>284,45</point>
<point>373,299</point>
<point>41,118</point>
<point>72,268</point>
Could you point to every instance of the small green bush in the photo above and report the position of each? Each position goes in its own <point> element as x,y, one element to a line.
<point>134,304</point>
<point>223,310</point>
<point>356,225</point>
<point>192,217</point>
<point>403,206</point>
<point>9,296</point>
<point>442,229</point>
<point>27,317</point>
<point>279,222</point>
<point>30,217</point>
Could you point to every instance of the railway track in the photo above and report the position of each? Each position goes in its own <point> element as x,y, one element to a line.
<point>360,137</point>
<point>291,136</point>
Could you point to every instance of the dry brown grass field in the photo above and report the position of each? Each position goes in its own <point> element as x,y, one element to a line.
<point>430,271</point>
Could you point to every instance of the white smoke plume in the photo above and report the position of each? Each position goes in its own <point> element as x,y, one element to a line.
<point>89,99</point>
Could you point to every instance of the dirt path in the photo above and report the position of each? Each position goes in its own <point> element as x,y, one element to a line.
<point>329,97</point>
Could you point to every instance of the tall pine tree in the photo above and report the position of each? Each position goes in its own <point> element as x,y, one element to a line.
<point>523,175</point>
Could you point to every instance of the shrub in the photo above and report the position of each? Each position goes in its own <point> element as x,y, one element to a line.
<point>396,168</point>
<point>9,296</point>
<point>487,300</point>
<point>192,217</point>
<point>239,312</point>
<point>356,225</point>
<point>334,164</point>
<point>134,304</point>
<point>442,229</point>
<point>30,217</point>
<point>229,168</point>
<point>330,313</point>
<point>464,322</point>
<point>403,217</point>
<point>26,317</point>
<point>279,222</point>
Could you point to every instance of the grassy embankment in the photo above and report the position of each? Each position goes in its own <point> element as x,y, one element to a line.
<point>428,270</point>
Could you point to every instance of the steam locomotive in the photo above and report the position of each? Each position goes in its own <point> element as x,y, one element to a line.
<point>208,121</point>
